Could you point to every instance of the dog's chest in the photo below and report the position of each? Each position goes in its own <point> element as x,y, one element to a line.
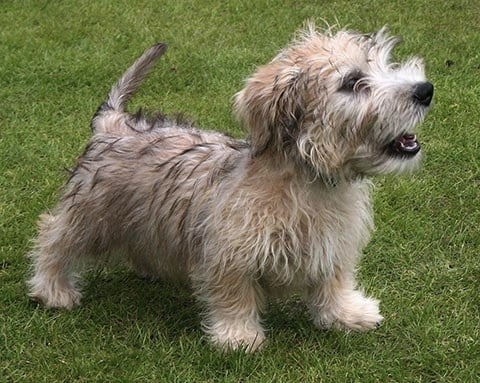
<point>326,234</point>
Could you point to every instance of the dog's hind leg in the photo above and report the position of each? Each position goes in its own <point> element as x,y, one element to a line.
<point>56,265</point>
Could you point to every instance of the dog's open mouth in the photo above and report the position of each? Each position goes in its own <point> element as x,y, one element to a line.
<point>405,145</point>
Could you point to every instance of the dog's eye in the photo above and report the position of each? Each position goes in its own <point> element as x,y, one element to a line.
<point>349,83</point>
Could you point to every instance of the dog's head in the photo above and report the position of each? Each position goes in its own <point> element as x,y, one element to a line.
<point>337,103</point>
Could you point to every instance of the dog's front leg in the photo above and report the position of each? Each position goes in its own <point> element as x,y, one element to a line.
<point>334,302</point>
<point>234,303</point>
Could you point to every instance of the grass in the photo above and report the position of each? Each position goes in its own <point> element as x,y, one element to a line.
<point>58,60</point>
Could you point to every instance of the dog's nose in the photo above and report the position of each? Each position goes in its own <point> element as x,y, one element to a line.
<point>423,93</point>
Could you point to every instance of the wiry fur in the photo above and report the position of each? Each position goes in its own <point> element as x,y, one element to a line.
<point>286,211</point>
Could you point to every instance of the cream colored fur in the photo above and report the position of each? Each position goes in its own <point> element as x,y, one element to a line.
<point>286,211</point>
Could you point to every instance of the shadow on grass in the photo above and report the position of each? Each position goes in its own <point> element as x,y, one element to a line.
<point>169,309</point>
<point>125,301</point>
<point>119,306</point>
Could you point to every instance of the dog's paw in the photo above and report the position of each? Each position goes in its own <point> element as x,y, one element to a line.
<point>52,295</point>
<point>354,312</point>
<point>236,336</point>
<point>248,343</point>
<point>366,316</point>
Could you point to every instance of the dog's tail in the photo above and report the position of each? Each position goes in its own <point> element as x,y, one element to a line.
<point>126,86</point>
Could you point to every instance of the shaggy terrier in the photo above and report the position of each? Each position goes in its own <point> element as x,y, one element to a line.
<point>286,211</point>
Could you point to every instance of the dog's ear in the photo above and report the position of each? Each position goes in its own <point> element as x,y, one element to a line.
<point>270,106</point>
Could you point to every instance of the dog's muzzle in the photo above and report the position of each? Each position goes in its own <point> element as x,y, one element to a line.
<point>407,145</point>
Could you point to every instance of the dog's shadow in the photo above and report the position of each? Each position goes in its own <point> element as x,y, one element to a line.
<point>168,309</point>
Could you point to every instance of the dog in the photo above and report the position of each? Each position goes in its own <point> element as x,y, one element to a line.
<point>286,211</point>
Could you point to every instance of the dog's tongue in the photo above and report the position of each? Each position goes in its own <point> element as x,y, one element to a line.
<point>407,144</point>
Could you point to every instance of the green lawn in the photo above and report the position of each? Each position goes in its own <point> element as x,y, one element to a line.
<point>58,60</point>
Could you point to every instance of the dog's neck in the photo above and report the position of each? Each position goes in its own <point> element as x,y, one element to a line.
<point>288,165</point>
